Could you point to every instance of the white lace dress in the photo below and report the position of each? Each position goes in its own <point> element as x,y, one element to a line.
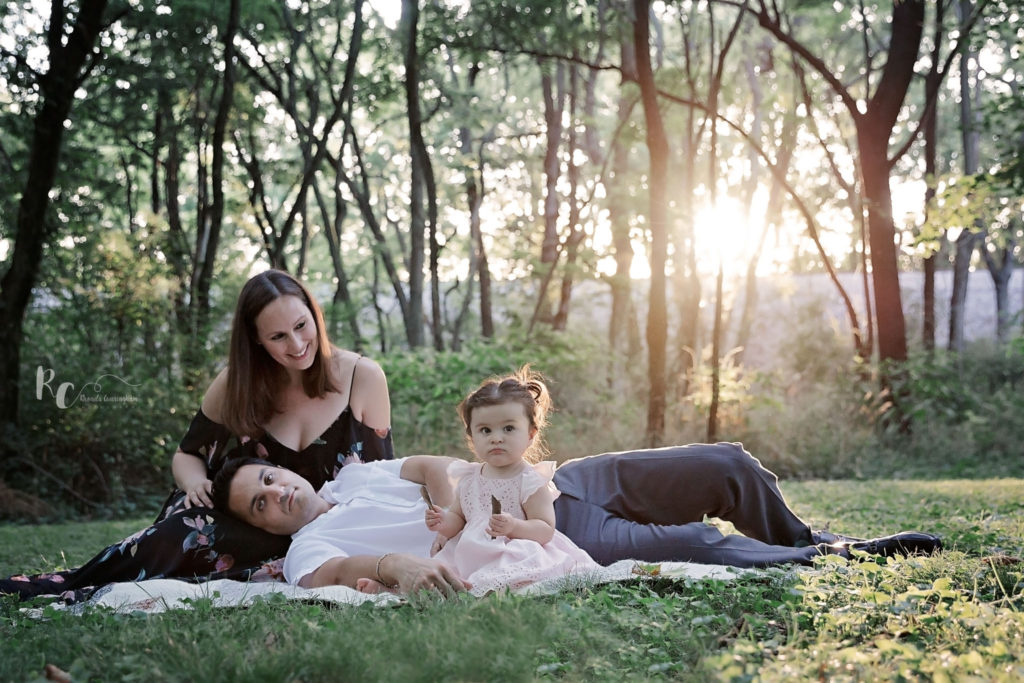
<point>490,563</point>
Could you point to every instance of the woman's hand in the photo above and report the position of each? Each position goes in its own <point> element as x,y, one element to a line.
<point>198,494</point>
<point>191,476</point>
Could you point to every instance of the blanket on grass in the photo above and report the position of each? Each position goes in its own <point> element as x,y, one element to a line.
<point>159,595</point>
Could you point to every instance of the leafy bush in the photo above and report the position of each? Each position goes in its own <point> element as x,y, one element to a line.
<point>591,415</point>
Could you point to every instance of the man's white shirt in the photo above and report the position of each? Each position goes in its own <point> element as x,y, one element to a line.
<point>374,512</point>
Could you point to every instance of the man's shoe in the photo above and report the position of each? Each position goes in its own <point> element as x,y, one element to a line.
<point>822,536</point>
<point>903,543</point>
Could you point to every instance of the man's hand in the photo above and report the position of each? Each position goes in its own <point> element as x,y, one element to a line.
<point>198,494</point>
<point>439,542</point>
<point>412,574</point>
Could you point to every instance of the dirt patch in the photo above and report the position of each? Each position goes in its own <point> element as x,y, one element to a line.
<point>16,504</point>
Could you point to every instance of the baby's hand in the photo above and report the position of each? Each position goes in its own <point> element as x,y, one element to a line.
<point>434,517</point>
<point>501,525</point>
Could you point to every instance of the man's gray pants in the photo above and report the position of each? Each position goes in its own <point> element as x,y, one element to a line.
<point>650,505</point>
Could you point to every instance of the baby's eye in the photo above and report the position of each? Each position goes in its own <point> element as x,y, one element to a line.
<point>485,430</point>
<point>510,428</point>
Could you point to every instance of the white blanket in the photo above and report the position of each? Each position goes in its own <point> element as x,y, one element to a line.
<point>159,595</point>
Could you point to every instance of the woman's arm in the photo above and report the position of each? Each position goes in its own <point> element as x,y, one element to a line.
<point>189,469</point>
<point>191,476</point>
<point>408,572</point>
<point>370,401</point>
<point>539,524</point>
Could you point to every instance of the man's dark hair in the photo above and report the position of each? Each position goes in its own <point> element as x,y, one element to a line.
<point>221,492</point>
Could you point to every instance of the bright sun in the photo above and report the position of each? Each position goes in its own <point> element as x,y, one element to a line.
<point>726,235</point>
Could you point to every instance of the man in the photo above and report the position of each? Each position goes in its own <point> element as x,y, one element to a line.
<point>646,505</point>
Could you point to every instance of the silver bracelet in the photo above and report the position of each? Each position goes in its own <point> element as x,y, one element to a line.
<point>379,560</point>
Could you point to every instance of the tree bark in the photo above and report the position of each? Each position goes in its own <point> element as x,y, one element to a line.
<point>999,261</point>
<point>623,313</point>
<point>575,236</point>
<point>970,235</point>
<point>657,147</point>
<point>216,218</point>
<point>931,92</point>
<point>67,69</point>
<point>553,92</point>
<point>417,221</point>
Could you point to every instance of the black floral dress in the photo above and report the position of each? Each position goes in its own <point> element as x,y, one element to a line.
<point>201,543</point>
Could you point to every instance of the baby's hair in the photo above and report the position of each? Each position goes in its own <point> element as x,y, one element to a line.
<point>524,387</point>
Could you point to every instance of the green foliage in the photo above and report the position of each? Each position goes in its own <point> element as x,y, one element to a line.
<point>954,413</point>
<point>427,386</point>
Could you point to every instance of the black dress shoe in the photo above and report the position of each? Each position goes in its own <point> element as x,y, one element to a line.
<point>903,543</point>
<point>822,536</point>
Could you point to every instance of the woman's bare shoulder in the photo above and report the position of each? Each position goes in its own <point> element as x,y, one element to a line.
<point>213,400</point>
<point>348,366</point>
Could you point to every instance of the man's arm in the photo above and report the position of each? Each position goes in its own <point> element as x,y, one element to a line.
<point>432,472</point>
<point>408,572</point>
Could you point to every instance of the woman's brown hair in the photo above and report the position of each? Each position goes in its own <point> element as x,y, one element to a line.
<point>254,378</point>
<point>524,387</point>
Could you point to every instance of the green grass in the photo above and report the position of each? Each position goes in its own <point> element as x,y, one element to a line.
<point>955,616</point>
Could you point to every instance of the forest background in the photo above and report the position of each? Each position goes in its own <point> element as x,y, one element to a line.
<point>631,196</point>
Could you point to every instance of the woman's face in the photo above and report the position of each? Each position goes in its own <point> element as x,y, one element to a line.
<point>286,329</point>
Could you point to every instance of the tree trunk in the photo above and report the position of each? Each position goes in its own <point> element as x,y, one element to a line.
<point>969,236</point>
<point>201,305</point>
<point>931,92</point>
<point>620,282</point>
<point>686,281</point>
<point>553,92</point>
<point>417,221</point>
<point>575,237</point>
<point>657,147</point>
<point>67,70</point>
<point>874,129</point>
<point>999,262</point>
<point>332,231</point>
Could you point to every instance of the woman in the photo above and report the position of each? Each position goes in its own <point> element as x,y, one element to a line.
<point>288,396</point>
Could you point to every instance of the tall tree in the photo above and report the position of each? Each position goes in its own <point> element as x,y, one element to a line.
<point>874,116</point>
<point>71,41</point>
<point>657,220</point>
<point>968,238</point>
<point>209,234</point>
<point>421,176</point>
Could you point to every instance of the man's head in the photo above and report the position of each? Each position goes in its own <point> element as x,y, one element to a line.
<point>272,498</point>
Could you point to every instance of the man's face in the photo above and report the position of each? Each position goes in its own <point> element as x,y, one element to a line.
<point>274,499</point>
